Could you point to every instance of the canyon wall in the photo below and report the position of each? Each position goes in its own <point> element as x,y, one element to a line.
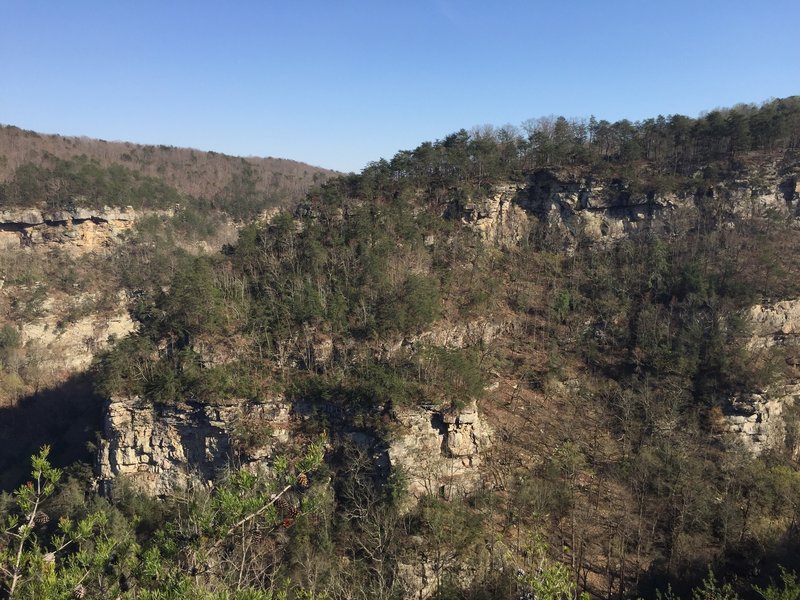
<point>77,229</point>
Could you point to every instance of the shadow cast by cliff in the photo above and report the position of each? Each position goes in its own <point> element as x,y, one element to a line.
<point>65,417</point>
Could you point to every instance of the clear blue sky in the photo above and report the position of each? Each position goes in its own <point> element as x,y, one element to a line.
<point>339,83</point>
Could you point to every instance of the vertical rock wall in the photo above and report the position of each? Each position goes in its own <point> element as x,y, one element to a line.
<point>760,420</point>
<point>440,453</point>
<point>163,448</point>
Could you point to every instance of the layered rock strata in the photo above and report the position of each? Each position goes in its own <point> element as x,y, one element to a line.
<point>609,211</point>
<point>762,419</point>
<point>759,420</point>
<point>80,229</point>
<point>160,449</point>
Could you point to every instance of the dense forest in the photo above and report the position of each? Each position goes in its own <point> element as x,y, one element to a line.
<point>661,154</point>
<point>621,358</point>
<point>55,171</point>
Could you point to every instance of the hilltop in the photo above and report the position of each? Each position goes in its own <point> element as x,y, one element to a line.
<point>52,169</point>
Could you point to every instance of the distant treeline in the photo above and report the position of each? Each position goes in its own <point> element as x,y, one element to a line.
<point>52,170</point>
<point>84,182</point>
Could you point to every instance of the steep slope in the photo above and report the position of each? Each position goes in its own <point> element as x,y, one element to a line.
<point>559,360</point>
<point>87,227</point>
<point>612,380</point>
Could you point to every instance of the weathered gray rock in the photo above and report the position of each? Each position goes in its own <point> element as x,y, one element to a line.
<point>758,420</point>
<point>67,346</point>
<point>776,323</point>
<point>498,218</point>
<point>57,216</point>
<point>418,581</point>
<point>440,453</point>
<point>576,206</point>
<point>599,212</point>
<point>26,217</point>
<point>159,449</point>
<point>82,214</point>
<point>115,214</point>
<point>443,334</point>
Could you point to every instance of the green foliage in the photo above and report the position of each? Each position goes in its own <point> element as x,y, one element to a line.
<point>95,552</point>
<point>9,345</point>
<point>562,304</point>
<point>242,197</point>
<point>409,308</point>
<point>47,564</point>
<point>29,304</point>
<point>196,222</point>
<point>236,524</point>
<point>623,355</point>
<point>789,590</point>
<point>451,531</point>
<point>389,383</point>
<point>711,589</point>
<point>125,368</point>
<point>452,376</point>
<point>193,304</point>
<point>85,183</point>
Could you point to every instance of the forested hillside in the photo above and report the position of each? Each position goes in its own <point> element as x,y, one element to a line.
<point>57,171</point>
<point>574,311</point>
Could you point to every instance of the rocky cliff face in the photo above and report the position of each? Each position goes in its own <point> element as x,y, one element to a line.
<point>498,218</point>
<point>66,347</point>
<point>759,420</point>
<point>599,211</point>
<point>77,229</point>
<point>775,324</point>
<point>762,420</point>
<point>159,449</point>
<point>609,211</point>
<point>440,452</point>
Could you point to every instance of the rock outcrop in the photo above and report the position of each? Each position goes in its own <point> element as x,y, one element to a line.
<point>440,452</point>
<point>608,211</point>
<point>760,420</point>
<point>775,324</point>
<point>76,229</point>
<point>63,347</point>
<point>482,330</point>
<point>160,449</point>
<point>498,218</point>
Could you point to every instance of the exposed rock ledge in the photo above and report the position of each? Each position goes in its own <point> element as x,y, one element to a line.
<point>609,211</point>
<point>439,453</point>
<point>775,324</point>
<point>759,419</point>
<point>80,229</point>
<point>66,347</point>
<point>159,448</point>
